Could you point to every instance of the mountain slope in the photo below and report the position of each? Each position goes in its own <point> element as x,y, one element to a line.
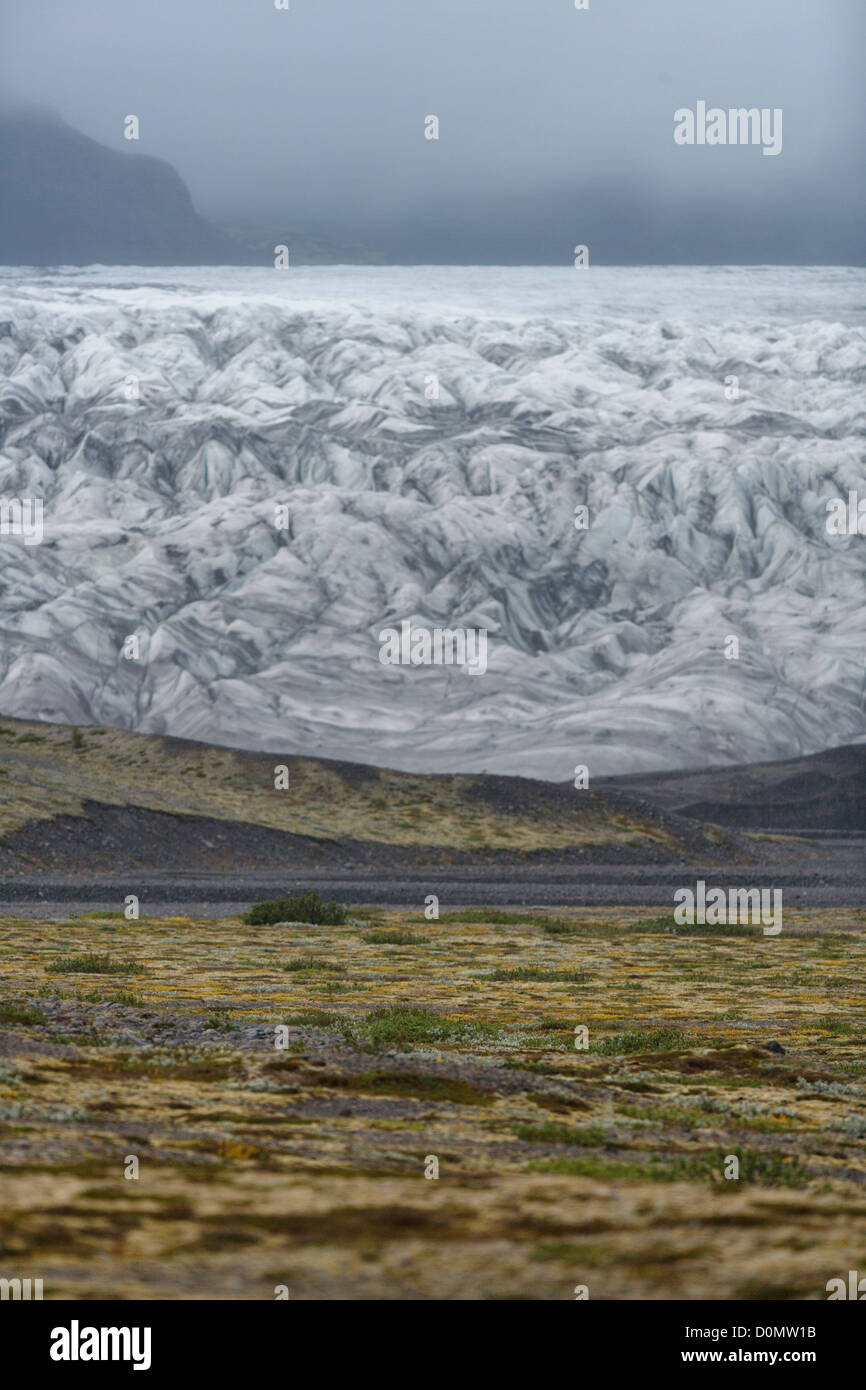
<point>826,791</point>
<point>106,798</point>
<point>67,200</point>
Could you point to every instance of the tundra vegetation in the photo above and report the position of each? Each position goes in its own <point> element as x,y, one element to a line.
<point>404,1039</point>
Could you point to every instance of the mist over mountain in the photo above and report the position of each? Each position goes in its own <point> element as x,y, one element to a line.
<point>67,200</point>
<point>555,127</point>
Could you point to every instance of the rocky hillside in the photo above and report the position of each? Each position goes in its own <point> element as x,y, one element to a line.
<point>105,799</point>
<point>67,200</point>
<point>824,792</point>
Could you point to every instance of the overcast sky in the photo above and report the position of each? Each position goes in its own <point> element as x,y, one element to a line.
<point>556,125</point>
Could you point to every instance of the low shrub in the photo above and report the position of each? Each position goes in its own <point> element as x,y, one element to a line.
<point>305,907</point>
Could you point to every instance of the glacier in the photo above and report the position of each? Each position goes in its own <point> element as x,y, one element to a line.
<point>431,431</point>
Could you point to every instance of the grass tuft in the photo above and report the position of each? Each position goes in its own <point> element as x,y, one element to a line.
<point>533,973</point>
<point>394,938</point>
<point>304,907</point>
<point>642,1040</point>
<point>91,964</point>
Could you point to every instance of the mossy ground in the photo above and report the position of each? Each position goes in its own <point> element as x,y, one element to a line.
<point>305,1165</point>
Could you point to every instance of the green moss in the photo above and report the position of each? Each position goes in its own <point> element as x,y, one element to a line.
<point>13,1013</point>
<point>403,1027</point>
<point>531,974</point>
<point>304,907</point>
<point>311,963</point>
<point>644,1040</point>
<point>496,917</point>
<point>767,1168</point>
<point>314,1018</point>
<point>589,1167</point>
<point>394,938</point>
<point>839,1027</point>
<point>592,1136</point>
<point>90,964</point>
<point>414,1085</point>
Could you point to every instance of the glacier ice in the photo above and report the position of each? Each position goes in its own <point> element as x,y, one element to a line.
<point>432,431</point>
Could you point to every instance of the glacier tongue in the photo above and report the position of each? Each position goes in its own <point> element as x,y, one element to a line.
<point>555,389</point>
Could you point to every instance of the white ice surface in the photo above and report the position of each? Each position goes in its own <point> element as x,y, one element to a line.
<point>558,387</point>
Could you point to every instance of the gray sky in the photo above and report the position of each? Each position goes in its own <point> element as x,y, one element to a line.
<point>556,124</point>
